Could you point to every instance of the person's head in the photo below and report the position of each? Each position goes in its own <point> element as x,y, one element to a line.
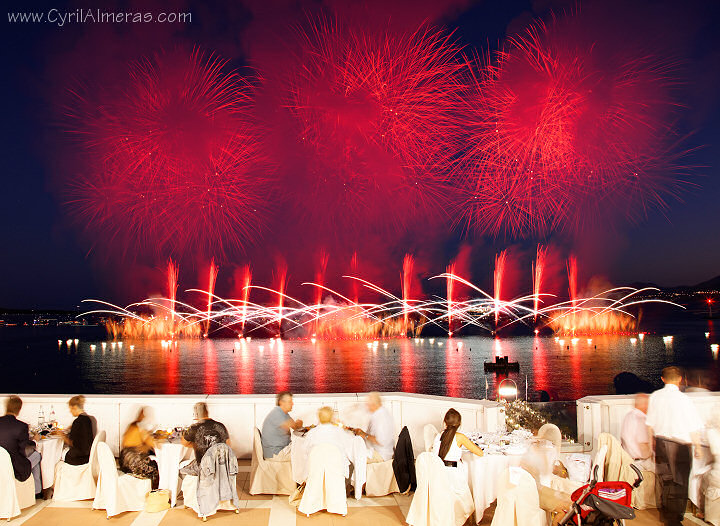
<point>641,402</point>
<point>284,401</point>
<point>325,415</point>
<point>374,402</point>
<point>13,405</point>
<point>672,375</point>
<point>77,405</point>
<point>200,410</point>
<point>452,422</point>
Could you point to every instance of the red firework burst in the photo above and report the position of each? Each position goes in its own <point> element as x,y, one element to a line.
<point>172,157</point>
<point>376,115</point>
<point>566,130</point>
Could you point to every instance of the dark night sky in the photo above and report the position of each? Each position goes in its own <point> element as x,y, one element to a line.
<point>45,262</point>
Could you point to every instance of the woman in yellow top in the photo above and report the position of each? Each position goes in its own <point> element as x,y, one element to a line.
<point>135,449</point>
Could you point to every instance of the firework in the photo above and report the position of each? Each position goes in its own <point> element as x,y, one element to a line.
<point>498,276</point>
<point>537,275</point>
<point>170,159</point>
<point>376,117</point>
<point>406,281</point>
<point>566,130</point>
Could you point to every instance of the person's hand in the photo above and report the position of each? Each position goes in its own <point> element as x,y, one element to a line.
<point>697,452</point>
<point>36,437</point>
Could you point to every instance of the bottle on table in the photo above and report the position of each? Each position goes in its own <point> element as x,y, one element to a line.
<point>53,422</point>
<point>41,418</point>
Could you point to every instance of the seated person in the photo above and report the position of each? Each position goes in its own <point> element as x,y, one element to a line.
<point>539,461</point>
<point>447,446</point>
<point>275,433</point>
<point>136,447</point>
<point>326,432</point>
<point>635,436</point>
<point>80,437</point>
<point>202,435</point>
<point>380,434</point>
<point>15,438</point>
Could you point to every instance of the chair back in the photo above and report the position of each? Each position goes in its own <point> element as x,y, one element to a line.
<point>94,466</point>
<point>518,500</point>
<point>433,501</point>
<point>551,433</point>
<point>108,475</point>
<point>258,457</point>
<point>325,485</point>
<point>9,506</point>
<point>600,462</point>
<point>430,432</point>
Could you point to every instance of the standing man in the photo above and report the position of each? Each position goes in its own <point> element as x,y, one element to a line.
<point>275,434</point>
<point>676,425</point>
<point>15,438</point>
<point>380,434</point>
<point>635,436</point>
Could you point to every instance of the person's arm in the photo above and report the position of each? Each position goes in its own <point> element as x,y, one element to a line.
<point>462,440</point>
<point>370,438</point>
<point>188,437</point>
<point>292,424</point>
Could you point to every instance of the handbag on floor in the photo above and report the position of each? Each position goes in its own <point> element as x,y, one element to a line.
<point>157,500</point>
<point>296,496</point>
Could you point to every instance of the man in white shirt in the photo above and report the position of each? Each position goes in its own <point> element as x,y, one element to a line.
<point>635,436</point>
<point>380,435</point>
<point>676,425</point>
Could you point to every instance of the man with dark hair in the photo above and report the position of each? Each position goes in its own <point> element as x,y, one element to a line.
<point>275,433</point>
<point>676,425</point>
<point>15,438</point>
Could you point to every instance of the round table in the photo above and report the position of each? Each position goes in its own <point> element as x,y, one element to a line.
<point>51,449</point>
<point>169,456</point>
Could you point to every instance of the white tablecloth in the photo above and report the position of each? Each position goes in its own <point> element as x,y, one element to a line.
<point>169,456</point>
<point>700,466</point>
<point>352,446</point>
<point>484,473</point>
<point>51,451</point>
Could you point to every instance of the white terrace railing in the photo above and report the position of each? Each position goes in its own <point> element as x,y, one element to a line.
<point>241,413</point>
<point>605,414</point>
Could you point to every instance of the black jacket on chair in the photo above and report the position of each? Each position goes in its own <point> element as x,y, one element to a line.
<point>404,462</point>
<point>14,437</point>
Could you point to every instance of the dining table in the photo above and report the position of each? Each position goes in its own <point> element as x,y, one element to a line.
<point>171,455</point>
<point>352,446</point>
<point>51,450</point>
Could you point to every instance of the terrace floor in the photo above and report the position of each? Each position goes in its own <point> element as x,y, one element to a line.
<point>258,510</point>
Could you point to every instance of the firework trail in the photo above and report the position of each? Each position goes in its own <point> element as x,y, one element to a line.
<point>537,275</point>
<point>354,271</point>
<point>498,275</point>
<point>245,295</point>
<point>280,278</point>
<point>213,270</point>
<point>572,273</point>
<point>320,277</point>
<point>172,285</point>
<point>376,115</point>
<point>406,281</point>
<point>450,289</point>
<point>172,158</point>
<point>566,129</point>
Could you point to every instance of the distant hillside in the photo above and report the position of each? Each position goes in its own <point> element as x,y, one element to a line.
<point>711,284</point>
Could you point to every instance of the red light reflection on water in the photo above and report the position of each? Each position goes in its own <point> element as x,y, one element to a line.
<point>454,373</point>
<point>539,360</point>
<point>245,369</point>
<point>281,367</point>
<point>172,372</point>
<point>211,372</point>
<point>319,368</point>
<point>408,370</point>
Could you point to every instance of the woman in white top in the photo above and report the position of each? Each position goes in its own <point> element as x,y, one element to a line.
<point>447,447</point>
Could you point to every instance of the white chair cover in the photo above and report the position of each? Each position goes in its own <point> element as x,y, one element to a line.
<point>117,492</point>
<point>435,503</point>
<point>380,479</point>
<point>600,462</point>
<point>78,482</point>
<point>189,491</point>
<point>712,492</point>
<point>518,502</point>
<point>325,485</point>
<point>551,433</point>
<point>14,495</point>
<point>429,434</point>
<point>268,476</point>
